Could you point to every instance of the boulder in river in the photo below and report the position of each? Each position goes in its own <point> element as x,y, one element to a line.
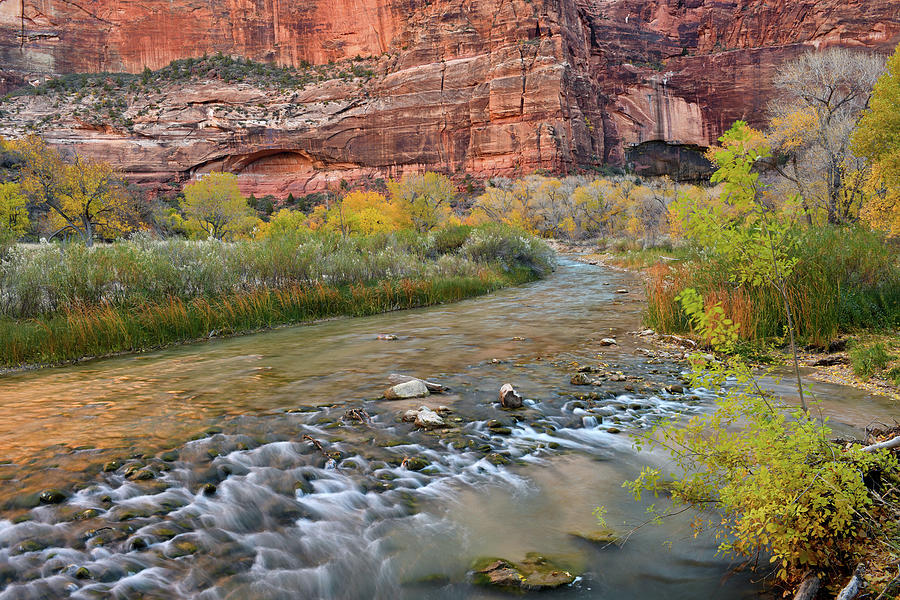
<point>424,418</point>
<point>387,336</point>
<point>414,388</point>
<point>598,536</point>
<point>509,398</point>
<point>434,388</point>
<point>428,419</point>
<point>533,573</point>
<point>609,342</point>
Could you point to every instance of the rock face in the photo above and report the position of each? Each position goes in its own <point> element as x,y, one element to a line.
<point>498,87</point>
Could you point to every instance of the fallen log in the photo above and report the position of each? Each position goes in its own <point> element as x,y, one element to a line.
<point>809,587</point>
<point>894,442</point>
<point>434,388</point>
<point>856,582</point>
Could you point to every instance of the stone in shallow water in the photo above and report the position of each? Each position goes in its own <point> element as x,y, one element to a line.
<point>428,419</point>
<point>534,573</point>
<point>52,497</point>
<point>509,398</point>
<point>581,379</point>
<point>410,389</point>
<point>598,536</point>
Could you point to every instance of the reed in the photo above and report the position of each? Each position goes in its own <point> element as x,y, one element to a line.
<point>99,330</point>
<point>846,279</point>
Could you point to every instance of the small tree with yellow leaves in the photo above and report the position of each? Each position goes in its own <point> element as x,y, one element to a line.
<point>425,198</point>
<point>878,140</point>
<point>85,197</point>
<point>215,206</point>
<point>366,213</point>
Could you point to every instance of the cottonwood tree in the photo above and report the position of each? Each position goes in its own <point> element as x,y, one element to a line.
<point>13,213</point>
<point>84,197</point>
<point>878,140</point>
<point>425,198</point>
<point>215,205</point>
<point>365,213</point>
<point>820,98</point>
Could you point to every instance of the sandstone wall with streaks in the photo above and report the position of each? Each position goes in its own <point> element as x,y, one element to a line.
<point>492,87</point>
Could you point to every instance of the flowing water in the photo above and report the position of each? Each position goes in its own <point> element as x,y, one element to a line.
<point>226,470</point>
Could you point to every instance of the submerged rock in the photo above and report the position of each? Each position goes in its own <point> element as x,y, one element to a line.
<point>581,379</point>
<point>534,573</point>
<point>414,463</point>
<point>414,388</point>
<point>52,497</point>
<point>509,398</point>
<point>598,536</point>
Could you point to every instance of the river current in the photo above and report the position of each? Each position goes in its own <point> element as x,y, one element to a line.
<point>232,469</point>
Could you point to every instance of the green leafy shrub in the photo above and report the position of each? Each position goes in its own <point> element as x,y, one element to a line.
<point>781,487</point>
<point>868,361</point>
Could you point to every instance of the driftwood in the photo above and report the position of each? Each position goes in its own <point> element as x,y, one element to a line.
<point>856,582</point>
<point>434,388</point>
<point>809,587</point>
<point>357,414</point>
<point>894,442</point>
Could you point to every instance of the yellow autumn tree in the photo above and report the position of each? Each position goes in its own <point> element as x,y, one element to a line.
<point>283,222</point>
<point>13,214</point>
<point>84,197</point>
<point>425,198</point>
<point>215,206</point>
<point>507,202</point>
<point>878,140</point>
<point>817,105</point>
<point>366,213</point>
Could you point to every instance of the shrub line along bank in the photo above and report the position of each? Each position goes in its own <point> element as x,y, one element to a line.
<point>57,307</point>
<point>99,331</point>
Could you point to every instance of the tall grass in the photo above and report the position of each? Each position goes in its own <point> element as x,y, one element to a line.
<point>65,304</point>
<point>845,279</point>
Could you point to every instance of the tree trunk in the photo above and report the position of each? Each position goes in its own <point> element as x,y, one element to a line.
<point>88,234</point>
<point>809,587</point>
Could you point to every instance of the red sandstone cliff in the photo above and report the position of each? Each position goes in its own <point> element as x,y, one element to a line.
<point>489,86</point>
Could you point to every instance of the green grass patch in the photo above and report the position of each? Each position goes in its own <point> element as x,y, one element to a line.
<point>869,360</point>
<point>846,279</point>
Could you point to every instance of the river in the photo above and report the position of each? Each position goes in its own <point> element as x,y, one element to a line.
<point>188,473</point>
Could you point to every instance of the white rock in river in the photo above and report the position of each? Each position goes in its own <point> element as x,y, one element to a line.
<point>428,419</point>
<point>608,342</point>
<point>415,388</point>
